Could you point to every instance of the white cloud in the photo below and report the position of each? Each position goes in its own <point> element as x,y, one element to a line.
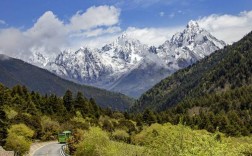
<point>48,32</point>
<point>50,35</point>
<point>97,32</point>
<point>13,40</point>
<point>94,17</point>
<point>96,42</point>
<point>153,36</point>
<point>100,25</point>
<point>229,28</point>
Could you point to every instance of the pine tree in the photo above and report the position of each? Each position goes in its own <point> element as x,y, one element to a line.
<point>68,101</point>
<point>80,101</point>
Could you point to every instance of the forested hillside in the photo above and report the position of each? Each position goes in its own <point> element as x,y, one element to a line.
<point>14,72</point>
<point>223,70</point>
<point>27,116</point>
<point>18,105</point>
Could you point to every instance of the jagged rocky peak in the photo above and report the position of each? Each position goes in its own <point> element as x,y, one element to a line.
<point>188,35</point>
<point>193,35</point>
<point>85,51</point>
<point>125,48</point>
<point>126,43</point>
<point>38,59</point>
<point>153,49</point>
<point>125,38</point>
<point>192,25</point>
<point>126,59</point>
<point>188,46</point>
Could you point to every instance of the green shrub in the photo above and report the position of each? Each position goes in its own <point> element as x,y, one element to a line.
<point>177,140</point>
<point>96,143</point>
<point>21,130</point>
<point>127,125</point>
<point>107,126</point>
<point>50,128</point>
<point>17,143</point>
<point>10,113</point>
<point>121,135</point>
<point>19,138</point>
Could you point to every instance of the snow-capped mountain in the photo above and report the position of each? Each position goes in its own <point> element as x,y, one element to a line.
<point>188,46</point>
<point>130,67</point>
<point>84,65</point>
<point>38,59</point>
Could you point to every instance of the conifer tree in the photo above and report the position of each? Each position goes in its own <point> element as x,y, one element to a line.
<point>68,100</point>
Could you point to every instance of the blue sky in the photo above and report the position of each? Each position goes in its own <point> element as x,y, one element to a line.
<point>137,13</point>
<point>51,26</point>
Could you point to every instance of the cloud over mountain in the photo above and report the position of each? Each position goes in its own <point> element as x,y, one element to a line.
<point>229,28</point>
<point>50,34</point>
<point>99,25</point>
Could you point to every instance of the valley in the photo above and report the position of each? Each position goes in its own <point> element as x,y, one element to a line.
<point>126,78</point>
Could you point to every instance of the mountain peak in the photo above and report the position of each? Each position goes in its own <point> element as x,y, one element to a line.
<point>125,38</point>
<point>126,59</point>
<point>192,24</point>
<point>123,35</point>
<point>124,43</point>
<point>193,27</point>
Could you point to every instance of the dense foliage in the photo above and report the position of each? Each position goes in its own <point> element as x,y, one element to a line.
<point>162,140</point>
<point>230,112</point>
<point>29,115</point>
<point>40,113</point>
<point>14,72</point>
<point>215,93</point>
<point>172,140</point>
<point>228,68</point>
<point>96,131</point>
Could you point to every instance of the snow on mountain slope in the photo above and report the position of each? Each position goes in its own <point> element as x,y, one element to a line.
<point>38,59</point>
<point>84,65</point>
<point>188,46</point>
<point>130,67</point>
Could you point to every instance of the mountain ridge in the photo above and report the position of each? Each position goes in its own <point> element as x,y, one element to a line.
<point>127,60</point>
<point>227,68</point>
<point>14,71</point>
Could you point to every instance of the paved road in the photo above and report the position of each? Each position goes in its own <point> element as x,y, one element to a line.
<point>49,150</point>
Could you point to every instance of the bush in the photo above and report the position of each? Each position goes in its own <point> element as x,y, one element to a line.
<point>126,125</point>
<point>107,126</point>
<point>50,128</point>
<point>172,140</point>
<point>121,135</point>
<point>19,138</point>
<point>80,122</point>
<point>10,113</point>
<point>17,143</point>
<point>21,130</point>
<point>96,143</point>
<point>77,137</point>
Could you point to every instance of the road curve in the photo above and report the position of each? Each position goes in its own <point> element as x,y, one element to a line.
<point>52,149</point>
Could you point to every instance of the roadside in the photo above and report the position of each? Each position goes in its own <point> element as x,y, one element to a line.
<point>35,146</point>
